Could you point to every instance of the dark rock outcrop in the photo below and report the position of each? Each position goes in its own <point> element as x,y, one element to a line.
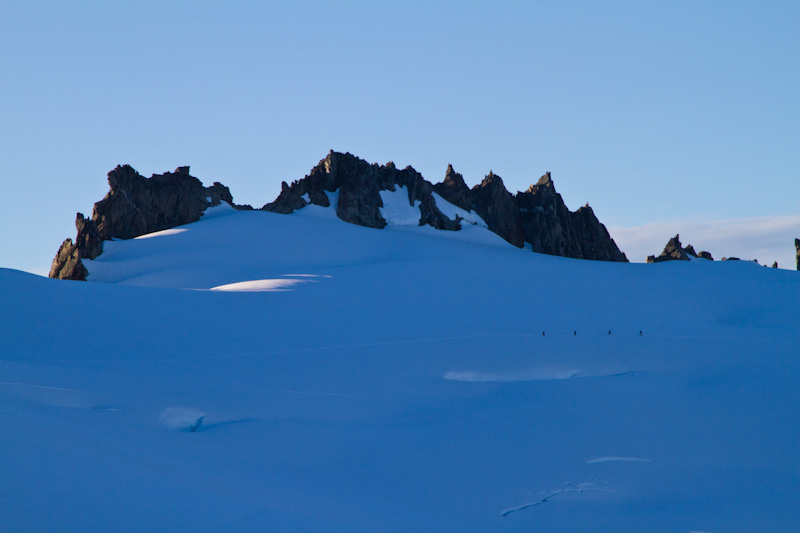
<point>454,190</point>
<point>359,184</point>
<point>134,206</point>
<point>594,240</point>
<point>797,252</point>
<point>537,216</point>
<point>67,263</point>
<point>552,229</point>
<point>89,241</point>
<point>673,251</point>
<point>498,208</point>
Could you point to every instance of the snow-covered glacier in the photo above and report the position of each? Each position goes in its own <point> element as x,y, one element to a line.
<point>264,372</point>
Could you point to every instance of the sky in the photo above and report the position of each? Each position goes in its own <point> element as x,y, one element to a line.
<point>657,114</point>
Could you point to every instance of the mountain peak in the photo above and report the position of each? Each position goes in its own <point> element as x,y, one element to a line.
<point>454,189</point>
<point>136,206</point>
<point>545,180</point>
<point>674,251</point>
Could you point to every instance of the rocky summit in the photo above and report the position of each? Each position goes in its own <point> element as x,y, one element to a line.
<point>553,229</point>
<point>135,205</point>
<point>673,251</point>
<point>538,216</point>
<point>358,184</point>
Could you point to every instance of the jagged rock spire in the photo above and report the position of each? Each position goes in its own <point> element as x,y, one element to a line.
<point>545,181</point>
<point>454,189</point>
<point>552,228</point>
<point>497,207</point>
<point>673,251</point>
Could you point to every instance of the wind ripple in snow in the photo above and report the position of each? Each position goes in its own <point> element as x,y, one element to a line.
<point>617,459</point>
<point>483,377</point>
<point>542,374</point>
<point>52,396</point>
<point>579,489</point>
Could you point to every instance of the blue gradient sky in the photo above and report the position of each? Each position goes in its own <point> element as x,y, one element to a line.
<point>650,111</point>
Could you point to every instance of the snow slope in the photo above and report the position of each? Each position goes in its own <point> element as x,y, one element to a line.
<point>342,378</point>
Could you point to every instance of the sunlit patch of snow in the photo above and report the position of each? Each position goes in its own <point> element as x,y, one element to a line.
<point>224,208</point>
<point>162,233</point>
<point>617,459</point>
<point>450,211</point>
<point>396,210</point>
<point>261,285</point>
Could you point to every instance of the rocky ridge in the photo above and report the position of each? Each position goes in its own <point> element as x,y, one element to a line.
<point>358,184</point>
<point>134,206</point>
<point>537,216</point>
<point>673,251</point>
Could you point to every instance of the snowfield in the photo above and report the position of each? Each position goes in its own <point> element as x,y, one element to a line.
<point>263,372</point>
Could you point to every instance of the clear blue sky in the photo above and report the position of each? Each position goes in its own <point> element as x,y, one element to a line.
<point>650,111</point>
